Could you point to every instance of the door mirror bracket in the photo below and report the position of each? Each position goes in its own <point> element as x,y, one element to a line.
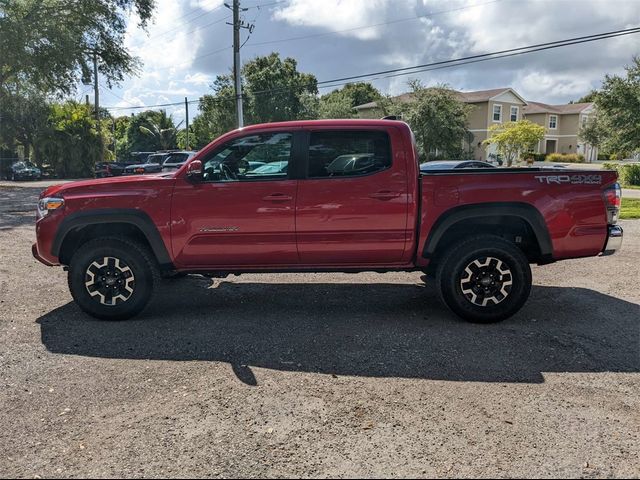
<point>194,171</point>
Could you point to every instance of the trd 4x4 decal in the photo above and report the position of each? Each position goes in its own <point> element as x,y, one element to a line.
<point>570,179</point>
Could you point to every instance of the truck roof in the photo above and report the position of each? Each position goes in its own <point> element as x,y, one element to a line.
<point>333,123</point>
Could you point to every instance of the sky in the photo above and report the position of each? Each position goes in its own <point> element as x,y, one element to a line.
<point>189,42</point>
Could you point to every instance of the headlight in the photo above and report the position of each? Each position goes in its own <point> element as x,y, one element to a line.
<point>49,204</point>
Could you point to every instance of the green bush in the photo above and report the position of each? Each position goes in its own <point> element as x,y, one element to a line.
<point>627,174</point>
<point>537,157</point>
<point>604,157</point>
<point>630,174</point>
<point>565,158</point>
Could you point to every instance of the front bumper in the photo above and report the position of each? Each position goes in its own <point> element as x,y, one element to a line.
<point>614,240</point>
<point>36,255</point>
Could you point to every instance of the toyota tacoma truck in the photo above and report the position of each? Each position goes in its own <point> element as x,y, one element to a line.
<point>325,196</point>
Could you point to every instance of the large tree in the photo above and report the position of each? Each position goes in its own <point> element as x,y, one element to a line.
<point>438,119</point>
<point>72,144</point>
<point>273,90</point>
<point>49,44</point>
<point>618,108</point>
<point>592,133</point>
<point>23,119</point>
<point>340,103</point>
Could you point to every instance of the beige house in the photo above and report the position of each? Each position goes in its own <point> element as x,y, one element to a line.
<point>562,125</point>
<point>490,107</point>
<point>562,122</point>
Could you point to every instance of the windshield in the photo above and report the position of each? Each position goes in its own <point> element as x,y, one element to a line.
<point>177,158</point>
<point>23,165</point>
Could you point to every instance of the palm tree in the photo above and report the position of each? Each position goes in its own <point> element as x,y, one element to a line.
<point>162,129</point>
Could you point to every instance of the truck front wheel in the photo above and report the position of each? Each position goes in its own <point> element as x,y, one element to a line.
<point>112,278</point>
<point>484,278</point>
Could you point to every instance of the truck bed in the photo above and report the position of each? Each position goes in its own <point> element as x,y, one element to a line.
<point>569,202</point>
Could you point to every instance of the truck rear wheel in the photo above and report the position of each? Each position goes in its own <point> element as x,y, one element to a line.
<point>112,278</point>
<point>484,279</point>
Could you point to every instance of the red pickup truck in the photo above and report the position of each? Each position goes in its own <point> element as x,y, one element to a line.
<point>335,195</point>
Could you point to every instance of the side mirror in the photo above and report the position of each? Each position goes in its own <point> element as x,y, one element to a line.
<point>194,171</point>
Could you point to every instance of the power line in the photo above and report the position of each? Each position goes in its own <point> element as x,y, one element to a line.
<point>437,65</point>
<point>161,34</point>
<point>196,58</point>
<point>533,48</point>
<point>219,20</point>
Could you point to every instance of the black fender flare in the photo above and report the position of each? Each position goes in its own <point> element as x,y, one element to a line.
<point>114,215</point>
<point>524,211</point>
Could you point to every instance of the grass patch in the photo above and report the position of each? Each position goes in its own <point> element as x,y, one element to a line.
<point>632,187</point>
<point>630,208</point>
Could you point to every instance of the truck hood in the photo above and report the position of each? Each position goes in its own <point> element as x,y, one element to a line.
<point>104,184</point>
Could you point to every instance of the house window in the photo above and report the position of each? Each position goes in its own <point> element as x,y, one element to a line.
<point>553,122</point>
<point>497,113</point>
<point>514,114</point>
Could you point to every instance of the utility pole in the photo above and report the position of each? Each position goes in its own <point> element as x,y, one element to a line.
<point>96,104</point>
<point>236,61</point>
<point>96,92</point>
<point>113,136</point>
<point>186,111</point>
<point>237,25</point>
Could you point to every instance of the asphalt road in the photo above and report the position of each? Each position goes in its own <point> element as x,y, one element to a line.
<point>318,375</point>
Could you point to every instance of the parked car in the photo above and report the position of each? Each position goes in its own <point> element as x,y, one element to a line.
<point>352,164</point>
<point>24,171</point>
<point>273,168</point>
<point>153,164</point>
<point>115,169</point>
<point>475,236</point>
<point>175,160</point>
<point>453,165</point>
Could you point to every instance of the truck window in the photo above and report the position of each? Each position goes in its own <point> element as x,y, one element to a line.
<point>348,154</point>
<point>262,156</point>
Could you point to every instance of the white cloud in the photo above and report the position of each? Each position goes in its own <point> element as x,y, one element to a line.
<point>336,15</point>
<point>198,78</point>
<point>185,47</point>
<point>537,85</point>
<point>208,5</point>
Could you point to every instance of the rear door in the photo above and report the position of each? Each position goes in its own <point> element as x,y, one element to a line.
<point>352,205</point>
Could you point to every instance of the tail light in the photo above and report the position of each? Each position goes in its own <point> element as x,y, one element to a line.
<point>612,201</point>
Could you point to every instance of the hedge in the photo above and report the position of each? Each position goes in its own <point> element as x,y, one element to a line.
<point>627,174</point>
<point>565,158</point>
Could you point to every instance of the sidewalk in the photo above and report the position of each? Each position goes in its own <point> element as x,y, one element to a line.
<point>630,193</point>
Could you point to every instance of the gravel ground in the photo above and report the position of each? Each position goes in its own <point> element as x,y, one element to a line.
<point>318,375</point>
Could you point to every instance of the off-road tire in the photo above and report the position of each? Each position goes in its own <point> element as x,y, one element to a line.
<point>473,265</point>
<point>136,261</point>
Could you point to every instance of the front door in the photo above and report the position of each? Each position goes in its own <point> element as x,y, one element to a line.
<point>243,212</point>
<point>551,147</point>
<point>353,204</point>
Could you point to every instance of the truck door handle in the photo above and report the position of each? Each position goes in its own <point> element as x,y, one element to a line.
<point>384,195</point>
<point>278,197</point>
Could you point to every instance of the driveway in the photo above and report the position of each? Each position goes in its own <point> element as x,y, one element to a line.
<point>313,375</point>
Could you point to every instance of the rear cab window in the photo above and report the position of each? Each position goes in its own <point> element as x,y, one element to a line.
<point>336,154</point>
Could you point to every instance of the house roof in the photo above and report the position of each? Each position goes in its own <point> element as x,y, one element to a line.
<point>569,108</point>
<point>477,96</point>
